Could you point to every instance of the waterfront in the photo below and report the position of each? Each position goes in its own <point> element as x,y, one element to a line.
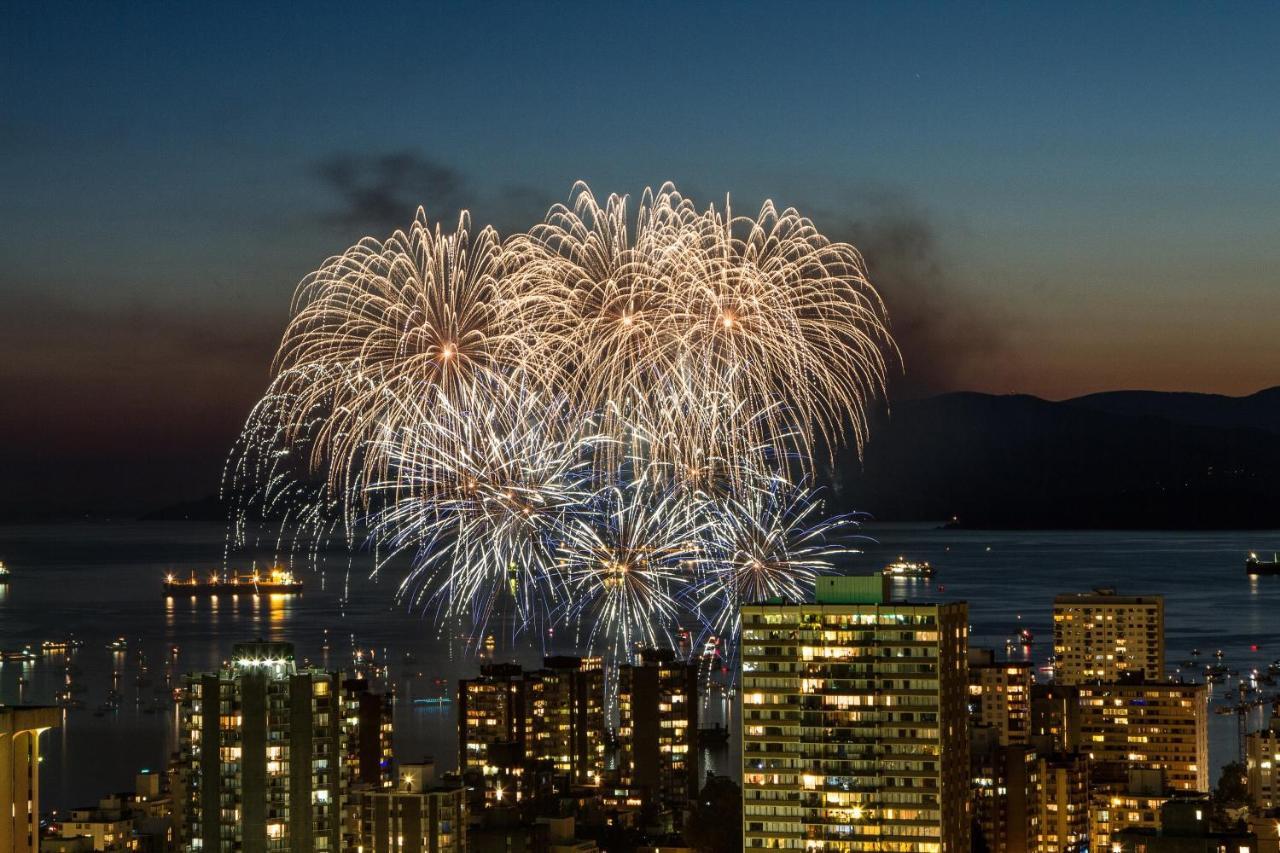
<point>100,582</point>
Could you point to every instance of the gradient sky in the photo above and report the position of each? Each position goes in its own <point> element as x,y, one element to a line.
<point>1055,199</point>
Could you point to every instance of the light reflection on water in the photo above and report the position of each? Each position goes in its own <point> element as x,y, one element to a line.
<point>101,582</point>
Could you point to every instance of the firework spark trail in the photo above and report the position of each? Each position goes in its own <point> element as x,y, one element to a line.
<point>687,304</point>
<point>627,560</point>
<point>421,314</point>
<point>766,543</point>
<point>480,498</point>
<point>596,419</point>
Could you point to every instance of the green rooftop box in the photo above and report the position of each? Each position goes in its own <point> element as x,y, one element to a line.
<point>852,589</point>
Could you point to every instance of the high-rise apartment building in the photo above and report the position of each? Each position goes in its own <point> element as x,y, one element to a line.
<point>566,726</point>
<point>658,728</point>
<point>1136,805</point>
<point>263,751</point>
<point>1063,813</point>
<point>1055,717</point>
<point>1006,786</point>
<point>1159,725</point>
<point>1000,695</point>
<point>1262,763</point>
<point>855,722</point>
<point>1098,636</point>
<point>367,716</point>
<point>491,720</point>
<point>510,719</point>
<point>20,728</point>
<point>415,816</point>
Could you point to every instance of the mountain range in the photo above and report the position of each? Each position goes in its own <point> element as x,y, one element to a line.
<point>1125,459</point>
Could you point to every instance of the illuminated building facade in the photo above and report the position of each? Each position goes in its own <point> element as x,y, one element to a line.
<point>1099,636</point>
<point>491,723</point>
<point>137,820</point>
<point>1063,807</point>
<point>1000,695</point>
<point>658,728</point>
<point>367,717</point>
<point>1262,762</point>
<point>20,728</point>
<point>855,722</point>
<point>1184,828</point>
<point>565,702</point>
<point>415,816</point>
<point>264,754</point>
<point>1006,784</point>
<point>1153,725</point>
<point>1134,806</point>
<point>511,721</point>
<point>1055,717</point>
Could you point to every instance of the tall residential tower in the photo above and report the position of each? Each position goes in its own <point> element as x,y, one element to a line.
<point>263,752</point>
<point>1099,636</point>
<point>855,722</point>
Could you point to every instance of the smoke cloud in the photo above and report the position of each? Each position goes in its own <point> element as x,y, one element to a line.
<point>946,335</point>
<point>378,193</point>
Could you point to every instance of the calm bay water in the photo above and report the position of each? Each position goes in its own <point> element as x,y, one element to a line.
<point>101,582</point>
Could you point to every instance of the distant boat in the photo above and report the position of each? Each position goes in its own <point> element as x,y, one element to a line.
<point>433,700</point>
<point>1254,565</point>
<point>4,573</point>
<point>278,580</point>
<point>904,568</point>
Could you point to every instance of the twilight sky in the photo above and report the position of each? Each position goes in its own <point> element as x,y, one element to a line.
<point>1054,199</point>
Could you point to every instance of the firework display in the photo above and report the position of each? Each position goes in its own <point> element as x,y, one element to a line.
<point>599,426</point>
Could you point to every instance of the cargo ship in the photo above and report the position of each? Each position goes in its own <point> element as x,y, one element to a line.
<point>278,580</point>
<point>1254,565</point>
<point>904,568</point>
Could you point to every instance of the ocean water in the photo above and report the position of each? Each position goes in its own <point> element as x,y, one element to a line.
<point>101,582</point>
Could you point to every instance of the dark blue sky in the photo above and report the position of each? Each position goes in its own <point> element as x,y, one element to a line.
<point>1055,198</point>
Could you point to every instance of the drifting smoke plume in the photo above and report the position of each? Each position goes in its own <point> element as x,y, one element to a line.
<point>943,335</point>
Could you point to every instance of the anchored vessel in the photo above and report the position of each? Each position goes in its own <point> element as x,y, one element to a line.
<point>904,568</point>
<point>278,579</point>
<point>1254,565</point>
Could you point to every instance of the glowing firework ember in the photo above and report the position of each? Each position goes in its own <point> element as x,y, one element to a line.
<point>480,499</point>
<point>627,560</point>
<point>767,543</point>
<point>596,422</point>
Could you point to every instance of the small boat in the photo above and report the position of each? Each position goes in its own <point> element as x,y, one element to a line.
<point>4,573</point>
<point>904,568</point>
<point>23,654</point>
<point>1255,565</point>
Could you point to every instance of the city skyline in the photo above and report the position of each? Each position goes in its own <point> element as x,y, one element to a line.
<point>639,428</point>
